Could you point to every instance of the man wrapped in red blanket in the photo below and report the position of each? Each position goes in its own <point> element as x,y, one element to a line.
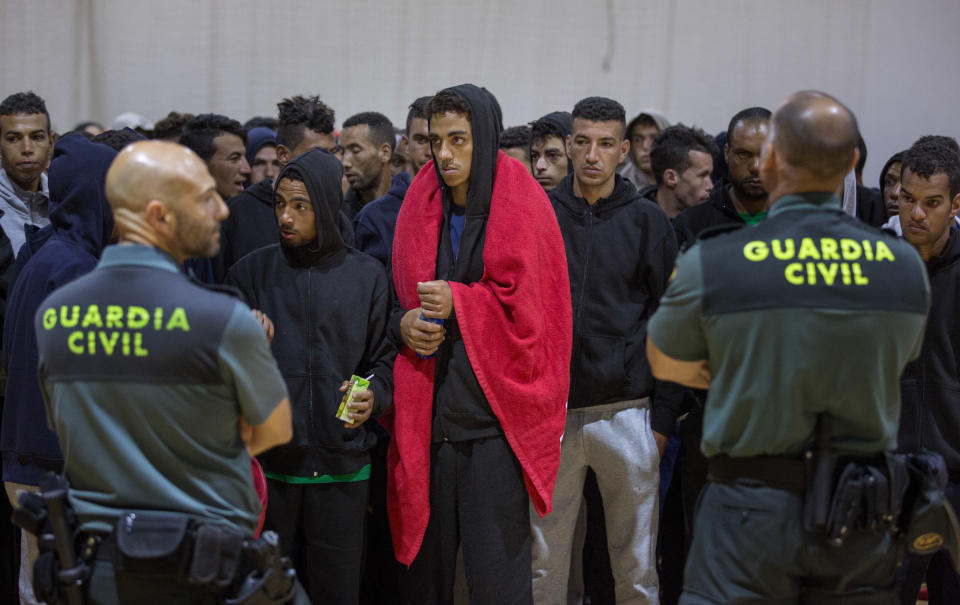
<point>479,402</point>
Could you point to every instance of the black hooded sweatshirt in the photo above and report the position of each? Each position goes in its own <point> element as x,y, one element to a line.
<point>930,385</point>
<point>329,305</point>
<point>252,225</point>
<point>461,410</point>
<point>620,253</point>
<point>718,210</point>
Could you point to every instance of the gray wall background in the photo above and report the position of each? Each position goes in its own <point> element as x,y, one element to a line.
<point>699,61</point>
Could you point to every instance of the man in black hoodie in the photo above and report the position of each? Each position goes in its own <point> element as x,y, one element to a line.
<point>930,418</point>
<point>329,305</point>
<point>620,251</point>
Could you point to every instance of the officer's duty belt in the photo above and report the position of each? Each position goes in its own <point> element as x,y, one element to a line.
<point>778,472</point>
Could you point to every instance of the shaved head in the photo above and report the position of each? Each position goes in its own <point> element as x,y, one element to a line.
<point>162,195</point>
<point>815,133</point>
<point>153,170</point>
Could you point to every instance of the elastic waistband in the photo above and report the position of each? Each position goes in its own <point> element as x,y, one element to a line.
<point>616,406</point>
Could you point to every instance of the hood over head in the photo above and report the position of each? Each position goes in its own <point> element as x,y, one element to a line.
<point>78,172</point>
<point>660,119</point>
<point>486,122</point>
<point>897,157</point>
<point>321,172</point>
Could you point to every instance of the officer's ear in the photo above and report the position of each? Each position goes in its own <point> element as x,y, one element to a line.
<point>768,165</point>
<point>160,218</point>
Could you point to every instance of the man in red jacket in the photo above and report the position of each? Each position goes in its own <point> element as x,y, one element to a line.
<point>479,400</point>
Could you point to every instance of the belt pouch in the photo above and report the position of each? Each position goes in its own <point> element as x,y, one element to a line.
<point>151,545</point>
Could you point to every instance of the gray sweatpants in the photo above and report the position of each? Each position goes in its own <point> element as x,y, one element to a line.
<point>616,441</point>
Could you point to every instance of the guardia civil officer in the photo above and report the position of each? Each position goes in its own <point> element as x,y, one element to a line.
<point>809,315</point>
<point>159,391</point>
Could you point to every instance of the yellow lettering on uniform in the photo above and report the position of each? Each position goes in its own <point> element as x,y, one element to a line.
<point>125,344</point>
<point>845,273</point>
<point>178,319</point>
<point>92,318</point>
<point>114,316</point>
<point>74,318</point>
<point>828,248</point>
<point>72,342</point>
<point>137,317</point>
<point>850,249</point>
<point>858,278</point>
<point>884,252</point>
<point>828,272</point>
<point>109,344</point>
<point>811,273</point>
<point>138,349</point>
<point>808,250</point>
<point>158,318</point>
<point>91,342</point>
<point>794,273</point>
<point>755,251</point>
<point>785,252</point>
<point>49,319</point>
<point>867,250</point>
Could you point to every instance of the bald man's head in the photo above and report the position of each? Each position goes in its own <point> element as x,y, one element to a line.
<point>815,133</point>
<point>162,195</point>
<point>154,170</point>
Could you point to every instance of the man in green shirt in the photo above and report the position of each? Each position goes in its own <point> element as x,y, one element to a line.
<point>808,314</point>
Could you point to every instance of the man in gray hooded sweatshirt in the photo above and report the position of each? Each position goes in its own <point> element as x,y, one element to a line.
<point>641,131</point>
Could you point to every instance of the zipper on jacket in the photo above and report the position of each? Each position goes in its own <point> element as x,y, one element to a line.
<point>311,432</point>
<point>578,342</point>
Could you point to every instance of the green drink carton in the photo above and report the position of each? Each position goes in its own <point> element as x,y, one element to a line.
<point>359,384</point>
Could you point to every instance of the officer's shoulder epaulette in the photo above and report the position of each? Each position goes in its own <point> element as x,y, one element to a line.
<point>719,230</point>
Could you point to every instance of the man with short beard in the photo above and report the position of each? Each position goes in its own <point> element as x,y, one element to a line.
<point>367,141</point>
<point>742,199</point>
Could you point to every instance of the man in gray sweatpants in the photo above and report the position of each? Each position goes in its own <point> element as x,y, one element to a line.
<point>620,251</point>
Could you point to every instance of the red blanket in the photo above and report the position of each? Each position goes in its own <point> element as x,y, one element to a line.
<point>516,326</point>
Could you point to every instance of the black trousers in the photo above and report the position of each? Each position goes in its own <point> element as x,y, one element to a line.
<point>943,583</point>
<point>321,527</point>
<point>477,501</point>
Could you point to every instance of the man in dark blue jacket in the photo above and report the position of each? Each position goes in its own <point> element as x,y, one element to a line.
<point>329,305</point>
<point>81,227</point>
<point>930,417</point>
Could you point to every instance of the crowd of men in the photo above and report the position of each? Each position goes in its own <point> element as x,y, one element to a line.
<point>512,432</point>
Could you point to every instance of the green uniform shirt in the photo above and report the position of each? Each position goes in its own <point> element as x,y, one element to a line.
<point>810,311</point>
<point>145,376</point>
